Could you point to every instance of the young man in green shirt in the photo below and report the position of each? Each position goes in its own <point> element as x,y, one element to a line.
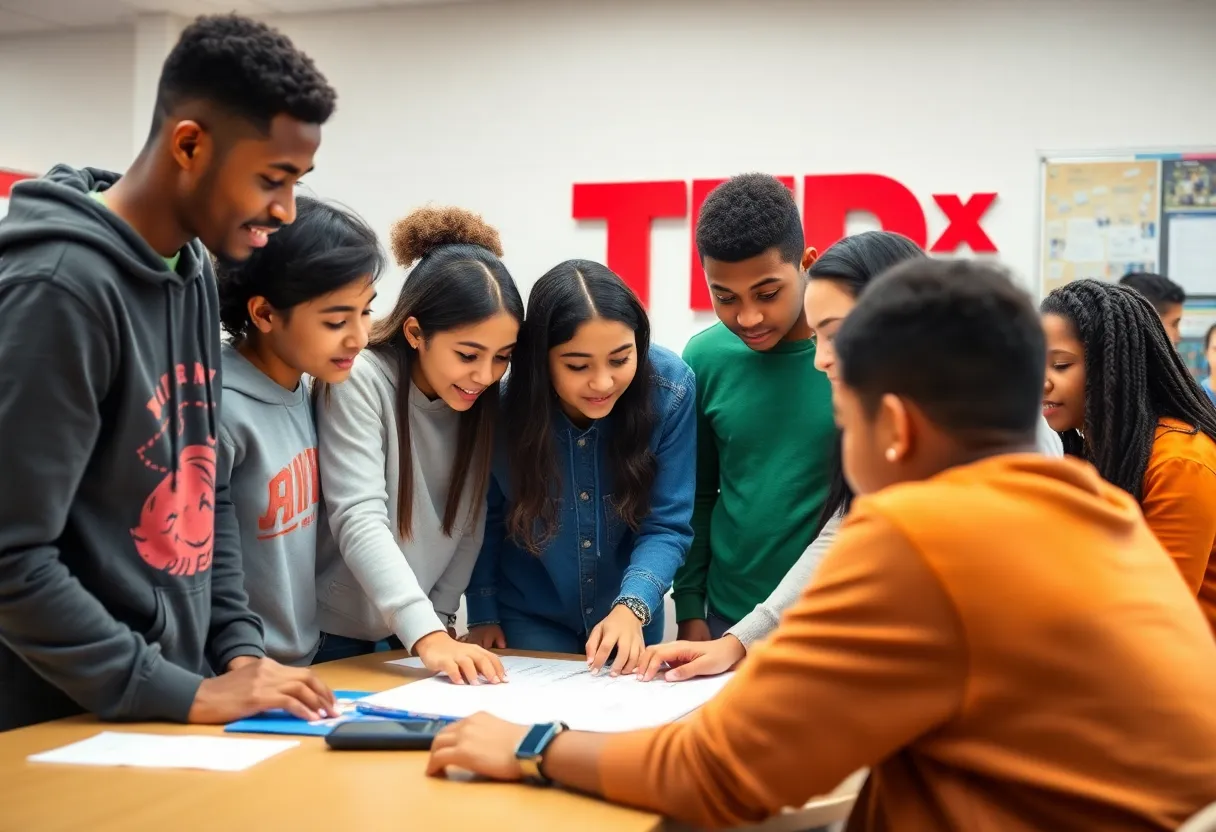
<point>765,432</point>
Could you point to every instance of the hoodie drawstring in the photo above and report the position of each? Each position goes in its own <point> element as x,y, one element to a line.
<point>204,350</point>
<point>174,394</point>
<point>175,403</point>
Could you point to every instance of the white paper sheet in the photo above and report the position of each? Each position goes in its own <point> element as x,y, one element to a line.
<point>1126,243</point>
<point>113,748</point>
<point>1085,241</point>
<point>544,690</point>
<point>412,661</point>
<point>1192,252</point>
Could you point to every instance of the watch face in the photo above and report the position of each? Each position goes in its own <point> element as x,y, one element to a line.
<point>534,742</point>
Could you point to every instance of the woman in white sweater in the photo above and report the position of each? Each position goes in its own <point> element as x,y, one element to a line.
<point>404,450</point>
<point>837,278</point>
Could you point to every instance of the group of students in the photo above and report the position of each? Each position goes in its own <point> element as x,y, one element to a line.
<point>858,474</point>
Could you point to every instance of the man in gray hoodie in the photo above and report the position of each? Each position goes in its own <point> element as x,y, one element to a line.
<point>121,589</point>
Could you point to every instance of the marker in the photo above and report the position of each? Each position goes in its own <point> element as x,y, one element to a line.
<point>393,713</point>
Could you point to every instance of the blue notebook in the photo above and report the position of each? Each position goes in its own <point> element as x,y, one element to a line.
<point>281,722</point>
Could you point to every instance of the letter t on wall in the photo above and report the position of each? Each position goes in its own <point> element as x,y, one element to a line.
<point>629,208</point>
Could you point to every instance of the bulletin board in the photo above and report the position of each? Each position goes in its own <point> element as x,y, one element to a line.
<point>1105,215</point>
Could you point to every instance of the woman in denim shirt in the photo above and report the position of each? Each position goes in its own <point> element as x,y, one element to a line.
<point>590,504</point>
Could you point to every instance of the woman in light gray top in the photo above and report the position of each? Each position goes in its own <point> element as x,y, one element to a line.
<point>836,280</point>
<point>404,449</point>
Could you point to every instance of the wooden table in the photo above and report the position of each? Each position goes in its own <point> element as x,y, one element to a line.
<point>305,788</point>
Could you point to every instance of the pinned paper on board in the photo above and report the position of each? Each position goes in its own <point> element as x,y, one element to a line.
<point>1084,241</point>
<point>1127,243</point>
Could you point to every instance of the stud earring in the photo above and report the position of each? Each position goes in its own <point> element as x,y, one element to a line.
<point>891,454</point>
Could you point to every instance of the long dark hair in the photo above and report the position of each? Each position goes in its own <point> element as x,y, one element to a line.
<point>458,280</point>
<point>567,296</point>
<point>325,249</point>
<point>1133,378</point>
<point>851,264</point>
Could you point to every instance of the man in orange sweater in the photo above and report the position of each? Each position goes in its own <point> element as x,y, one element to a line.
<point>996,634</point>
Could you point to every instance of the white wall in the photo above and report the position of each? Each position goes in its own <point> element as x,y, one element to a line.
<point>66,98</point>
<point>502,106</point>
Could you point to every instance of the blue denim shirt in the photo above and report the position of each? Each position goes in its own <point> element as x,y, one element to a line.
<point>594,558</point>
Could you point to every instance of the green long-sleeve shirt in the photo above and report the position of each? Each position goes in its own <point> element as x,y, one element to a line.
<point>765,437</point>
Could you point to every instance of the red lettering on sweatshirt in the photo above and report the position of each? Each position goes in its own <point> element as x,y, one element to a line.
<point>183,374</point>
<point>292,494</point>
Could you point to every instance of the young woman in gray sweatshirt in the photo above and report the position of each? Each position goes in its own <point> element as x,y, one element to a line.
<point>837,278</point>
<point>405,449</point>
<point>298,308</point>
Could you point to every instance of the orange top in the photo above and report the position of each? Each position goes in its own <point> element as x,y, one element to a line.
<point>1005,645</point>
<point>1179,503</point>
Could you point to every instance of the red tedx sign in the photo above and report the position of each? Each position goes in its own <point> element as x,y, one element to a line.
<point>629,208</point>
<point>8,178</point>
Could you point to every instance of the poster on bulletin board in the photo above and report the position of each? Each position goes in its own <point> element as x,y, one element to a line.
<point>1101,219</point>
<point>1106,216</point>
<point>1189,228</point>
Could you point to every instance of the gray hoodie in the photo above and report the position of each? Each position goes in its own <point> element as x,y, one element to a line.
<point>268,448</point>
<point>120,578</point>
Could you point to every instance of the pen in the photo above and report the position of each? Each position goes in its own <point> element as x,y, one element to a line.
<point>393,713</point>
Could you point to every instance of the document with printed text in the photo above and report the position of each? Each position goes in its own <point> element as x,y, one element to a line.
<point>548,690</point>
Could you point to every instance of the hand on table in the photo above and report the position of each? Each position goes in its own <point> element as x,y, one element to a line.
<point>488,636</point>
<point>688,659</point>
<point>257,685</point>
<point>620,629</point>
<point>694,629</point>
<point>459,661</point>
<point>482,744</point>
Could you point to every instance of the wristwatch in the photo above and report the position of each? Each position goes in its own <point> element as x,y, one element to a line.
<point>531,750</point>
<point>635,606</point>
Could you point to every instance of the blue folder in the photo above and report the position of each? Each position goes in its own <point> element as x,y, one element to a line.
<point>281,722</point>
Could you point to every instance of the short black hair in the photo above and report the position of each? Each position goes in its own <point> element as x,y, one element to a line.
<point>246,68</point>
<point>326,248</point>
<point>1161,292</point>
<point>746,216</point>
<point>1133,378</point>
<point>956,337</point>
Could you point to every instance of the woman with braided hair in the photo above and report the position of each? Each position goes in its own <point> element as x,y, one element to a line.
<point>1121,398</point>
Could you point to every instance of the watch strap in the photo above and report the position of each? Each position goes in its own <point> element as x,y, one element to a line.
<point>532,760</point>
<point>636,606</point>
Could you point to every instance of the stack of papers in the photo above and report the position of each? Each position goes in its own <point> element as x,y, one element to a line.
<point>113,748</point>
<point>547,690</point>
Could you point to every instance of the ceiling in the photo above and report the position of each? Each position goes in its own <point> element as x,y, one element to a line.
<point>18,16</point>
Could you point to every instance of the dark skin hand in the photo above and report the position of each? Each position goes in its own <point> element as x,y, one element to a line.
<point>694,629</point>
<point>253,685</point>
<point>485,745</point>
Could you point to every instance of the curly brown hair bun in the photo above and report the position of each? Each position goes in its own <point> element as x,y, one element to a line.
<point>426,228</point>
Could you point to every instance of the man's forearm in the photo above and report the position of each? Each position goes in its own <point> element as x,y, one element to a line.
<point>572,760</point>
